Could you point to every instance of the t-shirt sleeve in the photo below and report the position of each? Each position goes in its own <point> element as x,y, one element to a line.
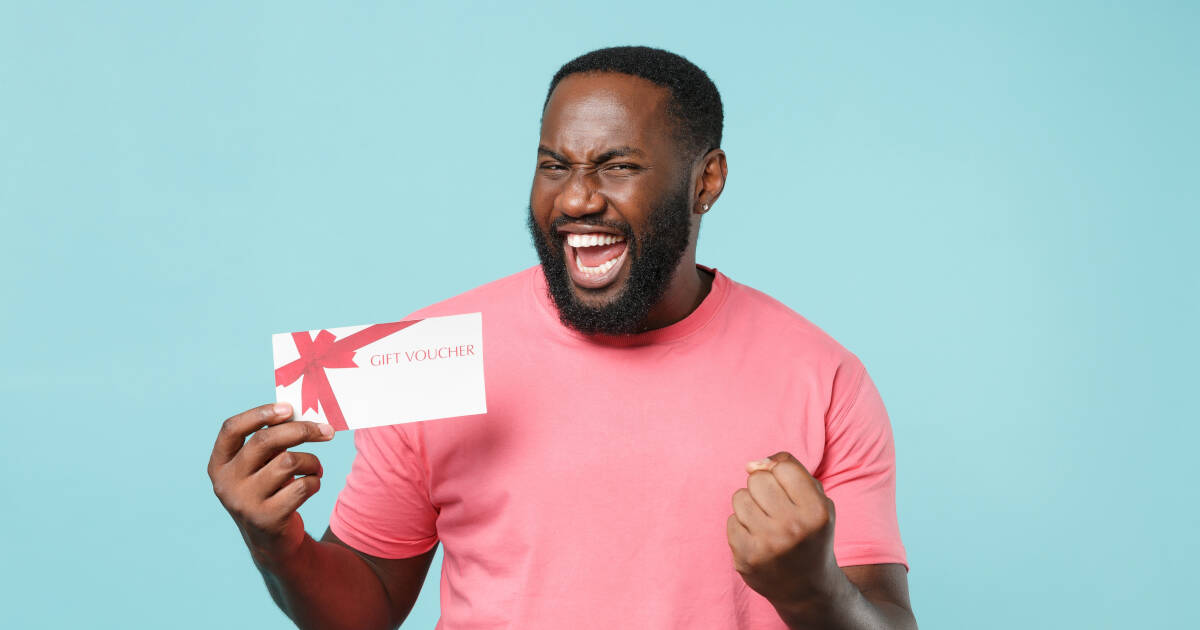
<point>384,509</point>
<point>858,471</point>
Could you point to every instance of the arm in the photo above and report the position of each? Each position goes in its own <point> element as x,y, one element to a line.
<point>327,584</point>
<point>322,584</point>
<point>871,596</point>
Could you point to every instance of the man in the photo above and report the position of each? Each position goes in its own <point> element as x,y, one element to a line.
<point>627,386</point>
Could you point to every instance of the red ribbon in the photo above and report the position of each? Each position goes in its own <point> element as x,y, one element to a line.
<point>325,351</point>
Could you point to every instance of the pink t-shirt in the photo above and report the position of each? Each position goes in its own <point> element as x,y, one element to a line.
<point>594,492</point>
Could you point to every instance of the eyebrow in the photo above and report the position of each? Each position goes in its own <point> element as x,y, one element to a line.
<point>616,152</point>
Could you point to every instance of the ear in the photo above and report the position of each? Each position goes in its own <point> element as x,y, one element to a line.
<point>710,180</point>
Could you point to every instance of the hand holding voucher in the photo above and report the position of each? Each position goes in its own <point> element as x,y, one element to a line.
<point>260,482</point>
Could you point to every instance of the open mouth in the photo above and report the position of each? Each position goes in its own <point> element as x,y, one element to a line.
<point>595,259</point>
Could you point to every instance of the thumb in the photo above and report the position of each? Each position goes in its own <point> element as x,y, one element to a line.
<point>767,463</point>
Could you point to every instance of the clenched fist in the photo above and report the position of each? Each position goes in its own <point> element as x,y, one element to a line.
<point>781,531</point>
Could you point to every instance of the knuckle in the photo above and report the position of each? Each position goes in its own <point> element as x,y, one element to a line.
<point>303,486</point>
<point>817,515</point>
<point>795,529</point>
<point>258,520</point>
<point>260,438</point>
<point>287,461</point>
<point>235,506</point>
<point>752,559</point>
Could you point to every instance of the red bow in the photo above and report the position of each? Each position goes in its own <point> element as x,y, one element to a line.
<point>326,352</point>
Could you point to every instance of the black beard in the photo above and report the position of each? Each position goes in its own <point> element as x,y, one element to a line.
<point>654,258</point>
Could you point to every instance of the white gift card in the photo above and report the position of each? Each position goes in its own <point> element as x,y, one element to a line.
<point>367,376</point>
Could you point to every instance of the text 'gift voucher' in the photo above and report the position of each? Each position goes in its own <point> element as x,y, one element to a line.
<point>367,376</point>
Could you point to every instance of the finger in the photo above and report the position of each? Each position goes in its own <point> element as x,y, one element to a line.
<point>769,462</point>
<point>748,512</point>
<point>267,443</point>
<point>737,534</point>
<point>796,481</point>
<point>233,431</point>
<point>292,495</point>
<point>734,527</point>
<point>765,463</point>
<point>283,468</point>
<point>768,494</point>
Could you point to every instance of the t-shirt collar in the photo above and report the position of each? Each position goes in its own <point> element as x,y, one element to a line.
<point>693,323</point>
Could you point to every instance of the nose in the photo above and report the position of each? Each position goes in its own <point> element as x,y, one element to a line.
<point>580,196</point>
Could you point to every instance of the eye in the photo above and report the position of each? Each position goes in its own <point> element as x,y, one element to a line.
<point>622,166</point>
<point>551,169</point>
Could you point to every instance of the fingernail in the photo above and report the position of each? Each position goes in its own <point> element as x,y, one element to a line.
<point>283,409</point>
<point>759,464</point>
<point>326,430</point>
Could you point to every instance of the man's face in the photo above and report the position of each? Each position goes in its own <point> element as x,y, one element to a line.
<point>610,211</point>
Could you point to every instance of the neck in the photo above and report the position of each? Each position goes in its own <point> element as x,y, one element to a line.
<point>687,290</point>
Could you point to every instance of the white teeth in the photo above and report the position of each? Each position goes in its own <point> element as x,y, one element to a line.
<point>593,239</point>
<point>597,270</point>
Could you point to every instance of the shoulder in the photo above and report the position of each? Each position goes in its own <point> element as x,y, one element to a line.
<point>792,340</point>
<point>764,318</point>
<point>498,293</point>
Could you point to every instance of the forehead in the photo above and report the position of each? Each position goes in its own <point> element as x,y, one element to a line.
<point>594,111</point>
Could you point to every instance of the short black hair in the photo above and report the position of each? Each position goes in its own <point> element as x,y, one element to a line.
<point>695,102</point>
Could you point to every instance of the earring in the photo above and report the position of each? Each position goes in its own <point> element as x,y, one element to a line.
<point>706,207</point>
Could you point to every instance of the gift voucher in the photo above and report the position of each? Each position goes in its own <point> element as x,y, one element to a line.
<point>367,376</point>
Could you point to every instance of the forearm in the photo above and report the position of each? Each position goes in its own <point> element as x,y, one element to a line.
<point>845,608</point>
<point>326,586</point>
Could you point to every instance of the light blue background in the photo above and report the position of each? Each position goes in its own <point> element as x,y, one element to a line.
<point>994,207</point>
